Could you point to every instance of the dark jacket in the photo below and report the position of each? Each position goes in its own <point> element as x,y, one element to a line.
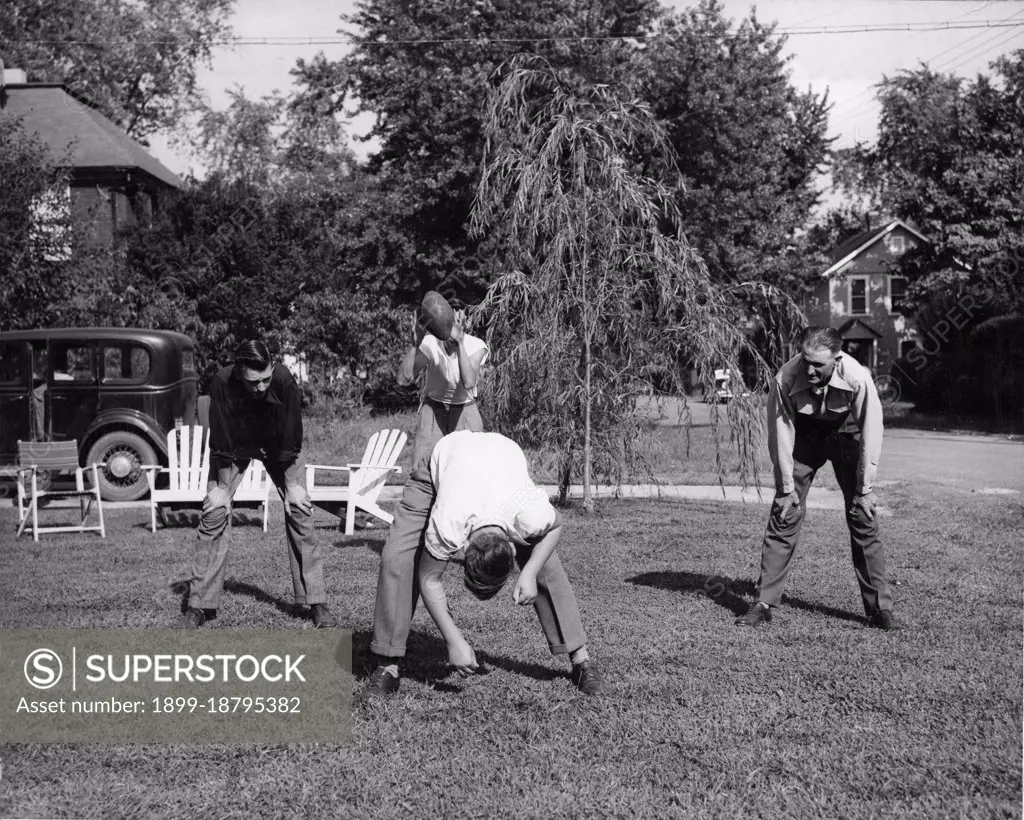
<point>242,428</point>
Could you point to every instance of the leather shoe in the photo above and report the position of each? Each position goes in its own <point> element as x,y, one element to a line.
<point>586,677</point>
<point>323,618</point>
<point>194,618</point>
<point>380,684</point>
<point>757,614</point>
<point>883,620</point>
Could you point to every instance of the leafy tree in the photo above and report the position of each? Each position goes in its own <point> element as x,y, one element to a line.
<point>136,61</point>
<point>275,142</point>
<point>601,286</point>
<point>241,142</point>
<point>948,160</point>
<point>314,141</point>
<point>28,269</point>
<point>749,144</point>
<point>424,71</point>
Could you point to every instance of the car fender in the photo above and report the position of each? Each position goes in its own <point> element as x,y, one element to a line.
<point>122,419</point>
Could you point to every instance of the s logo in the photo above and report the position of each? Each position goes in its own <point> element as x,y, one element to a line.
<point>43,668</point>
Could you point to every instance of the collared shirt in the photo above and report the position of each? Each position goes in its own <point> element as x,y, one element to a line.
<point>444,379</point>
<point>241,428</point>
<point>480,480</point>
<point>850,401</point>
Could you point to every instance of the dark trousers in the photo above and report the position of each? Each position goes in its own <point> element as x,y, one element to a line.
<point>210,557</point>
<point>437,420</point>
<point>397,591</point>
<point>780,539</point>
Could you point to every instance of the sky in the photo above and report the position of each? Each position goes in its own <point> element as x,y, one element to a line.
<point>847,64</point>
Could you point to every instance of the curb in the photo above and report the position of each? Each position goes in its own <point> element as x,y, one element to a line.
<point>817,498</point>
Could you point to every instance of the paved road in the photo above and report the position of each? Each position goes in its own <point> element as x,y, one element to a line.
<point>965,462</point>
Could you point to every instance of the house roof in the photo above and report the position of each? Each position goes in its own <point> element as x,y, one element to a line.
<point>71,127</point>
<point>856,245</point>
<point>858,329</point>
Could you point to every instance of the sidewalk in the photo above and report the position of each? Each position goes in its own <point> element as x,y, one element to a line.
<point>817,498</point>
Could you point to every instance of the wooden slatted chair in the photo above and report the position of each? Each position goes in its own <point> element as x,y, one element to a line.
<point>365,479</point>
<point>255,487</point>
<point>188,475</point>
<point>187,470</point>
<point>35,457</point>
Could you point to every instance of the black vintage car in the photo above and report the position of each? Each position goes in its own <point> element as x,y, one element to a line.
<point>118,391</point>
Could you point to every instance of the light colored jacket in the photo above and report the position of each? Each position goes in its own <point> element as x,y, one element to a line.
<point>850,390</point>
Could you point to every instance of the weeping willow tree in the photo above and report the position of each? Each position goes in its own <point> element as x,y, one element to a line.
<point>600,291</point>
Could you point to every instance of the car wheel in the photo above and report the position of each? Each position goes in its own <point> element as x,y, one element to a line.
<point>122,454</point>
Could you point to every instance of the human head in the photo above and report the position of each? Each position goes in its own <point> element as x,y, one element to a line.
<point>254,368</point>
<point>820,349</point>
<point>489,561</point>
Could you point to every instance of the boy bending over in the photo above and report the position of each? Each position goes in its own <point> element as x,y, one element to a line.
<point>485,503</point>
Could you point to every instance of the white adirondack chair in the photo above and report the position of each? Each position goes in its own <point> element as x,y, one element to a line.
<point>188,469</point>
<point>255,487</point>
<point>365,480</point>
<point>188,474</point>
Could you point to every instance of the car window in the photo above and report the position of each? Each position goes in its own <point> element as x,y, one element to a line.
<point>12,364</point>
<point>125,363</point>
<point>73,363</point>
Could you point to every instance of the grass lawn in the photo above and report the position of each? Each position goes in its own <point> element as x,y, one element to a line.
<point>675,455</point>
<point>814,716</point>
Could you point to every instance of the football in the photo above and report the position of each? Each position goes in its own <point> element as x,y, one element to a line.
<point>437,315</point>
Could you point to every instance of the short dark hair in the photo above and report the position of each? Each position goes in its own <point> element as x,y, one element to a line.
<point>820,336</point>
<point>253,354</point>
<point>489,561</point>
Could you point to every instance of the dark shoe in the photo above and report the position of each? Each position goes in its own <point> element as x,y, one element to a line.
<point>381,684</point>
<point>586,678</point>
<point>194,618</point>
<point>883,620</point>
<point>322,617</point>
<point>757,614</point>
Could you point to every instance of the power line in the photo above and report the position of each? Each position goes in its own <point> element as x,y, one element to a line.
<point>792,31</point>
<point>853,109</point>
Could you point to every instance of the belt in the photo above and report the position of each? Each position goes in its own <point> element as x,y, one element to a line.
<point>447,406</point>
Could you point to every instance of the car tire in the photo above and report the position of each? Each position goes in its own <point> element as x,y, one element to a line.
<point>123,453</point>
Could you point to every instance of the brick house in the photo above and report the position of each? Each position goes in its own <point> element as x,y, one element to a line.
<point>114,181</point>
<point>857,294</point>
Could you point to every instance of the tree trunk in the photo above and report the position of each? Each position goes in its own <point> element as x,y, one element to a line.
<point>588,499</point>
<point>564,475</point>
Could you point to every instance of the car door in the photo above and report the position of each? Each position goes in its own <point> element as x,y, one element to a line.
<point>72,395</point>
<point>16,407</point>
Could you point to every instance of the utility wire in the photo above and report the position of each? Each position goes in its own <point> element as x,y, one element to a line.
<point>792,31</point>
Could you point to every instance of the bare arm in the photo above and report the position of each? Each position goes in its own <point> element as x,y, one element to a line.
<point>410,367</point>
<point>460,653</point>
<point>525,591</point>
<point>469,364</point>
<point>413,361</point>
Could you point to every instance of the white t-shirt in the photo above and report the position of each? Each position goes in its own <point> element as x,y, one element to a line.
<point>443,375</point>
<point>481,479</point>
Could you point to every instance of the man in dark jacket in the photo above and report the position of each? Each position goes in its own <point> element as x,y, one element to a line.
<point>255,412</point>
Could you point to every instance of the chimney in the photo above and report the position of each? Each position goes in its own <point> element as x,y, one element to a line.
<point>12,76</point>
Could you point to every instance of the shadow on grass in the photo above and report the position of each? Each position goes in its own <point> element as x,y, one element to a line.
<point>426,661</point>
<point>730,593</point>
<point>375,543</point>
<point>264,597</point>
<point>171,516</point>
<point>724,591</point>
